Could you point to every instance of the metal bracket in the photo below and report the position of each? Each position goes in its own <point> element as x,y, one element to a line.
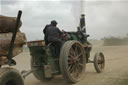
<point>47,71</point>
<point>26,73</point>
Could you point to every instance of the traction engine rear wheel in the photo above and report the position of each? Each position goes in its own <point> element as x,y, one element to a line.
<point>72,61</point>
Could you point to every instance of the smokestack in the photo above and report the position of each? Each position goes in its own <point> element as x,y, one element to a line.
<point>82,23</point>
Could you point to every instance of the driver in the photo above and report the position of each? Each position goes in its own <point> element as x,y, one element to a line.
<point>53,34</point>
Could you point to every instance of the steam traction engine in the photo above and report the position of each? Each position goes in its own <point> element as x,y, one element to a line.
<point>72,59</point>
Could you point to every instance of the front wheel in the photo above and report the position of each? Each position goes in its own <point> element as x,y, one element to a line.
<point>99,62</point>
<point>72,61</point>
<point>10,76</point>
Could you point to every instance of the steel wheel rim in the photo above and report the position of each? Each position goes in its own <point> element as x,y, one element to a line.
<point>75,63</point>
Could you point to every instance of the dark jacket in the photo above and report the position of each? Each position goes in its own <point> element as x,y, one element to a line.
<point>45,36</point>
<point>53,34</point>
<point>45,28</point>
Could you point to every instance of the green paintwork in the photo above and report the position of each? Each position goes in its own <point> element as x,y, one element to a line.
<point>43,56</point>
<point>39,54</point>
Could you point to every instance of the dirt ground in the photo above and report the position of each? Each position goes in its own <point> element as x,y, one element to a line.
<point>116,68</point>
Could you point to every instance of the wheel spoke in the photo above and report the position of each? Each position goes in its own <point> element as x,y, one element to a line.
<point>72,52</point>
<point>99,62</point>
<point>81,65</point>
<point>79,54</point>
<point>100,66</point>
<point>80,60</point>
<point>72,57</point>
<point>69,67</point>
<point>70,61</point>
<point>76,71</point>
<point>76,50</point>
<point>71,70</point>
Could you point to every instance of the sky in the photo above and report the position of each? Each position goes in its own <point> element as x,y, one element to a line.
<point>104,18</point>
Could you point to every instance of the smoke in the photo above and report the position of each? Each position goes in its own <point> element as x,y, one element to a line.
<point>77,9</point>
<point>82,6</point>
<point>0,6</point>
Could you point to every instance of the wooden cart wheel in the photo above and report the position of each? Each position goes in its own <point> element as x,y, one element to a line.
<point>72,61</point>
<point>10,76</point>
<point>99,62</point>
<point>38,72</point>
